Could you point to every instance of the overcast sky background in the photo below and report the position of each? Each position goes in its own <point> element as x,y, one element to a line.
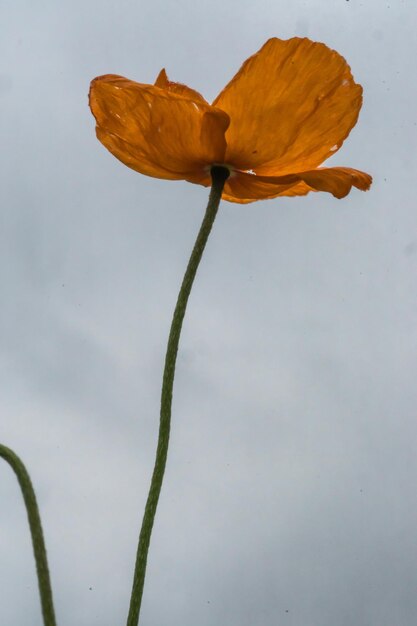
<point>290,491</point>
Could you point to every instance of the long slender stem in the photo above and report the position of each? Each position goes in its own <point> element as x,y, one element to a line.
<point>219,176</point>
<point>35,525</point>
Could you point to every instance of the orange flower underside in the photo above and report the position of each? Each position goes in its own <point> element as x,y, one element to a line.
<point>287,110</point>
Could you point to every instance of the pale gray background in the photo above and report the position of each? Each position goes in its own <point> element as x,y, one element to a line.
<point>290,493</point>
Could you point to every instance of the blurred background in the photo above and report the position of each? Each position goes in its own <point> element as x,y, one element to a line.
<point>290,493</point>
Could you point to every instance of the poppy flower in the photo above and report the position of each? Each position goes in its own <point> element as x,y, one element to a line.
<point>288,109</point>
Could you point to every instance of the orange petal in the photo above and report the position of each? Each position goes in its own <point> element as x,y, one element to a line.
<point>163,82</point>
<point>243,187</point>
<point>155,130</point>
<point>336,180</point>
<point>130,156</point>
<point>291,106</point>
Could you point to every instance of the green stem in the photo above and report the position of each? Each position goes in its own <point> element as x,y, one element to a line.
<point>219,177</point>
<point>36,531</point>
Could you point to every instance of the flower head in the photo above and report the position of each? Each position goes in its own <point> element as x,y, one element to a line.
<point>289,108</point>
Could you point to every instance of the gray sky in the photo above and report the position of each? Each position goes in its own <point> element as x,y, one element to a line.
<point>289,496</point>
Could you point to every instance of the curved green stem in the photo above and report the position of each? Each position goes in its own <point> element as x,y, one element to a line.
<point>219,177</point>
<point>35,525</point>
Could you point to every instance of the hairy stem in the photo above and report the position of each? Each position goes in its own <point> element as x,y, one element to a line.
<point>219,177</point>
<point>35,526</point>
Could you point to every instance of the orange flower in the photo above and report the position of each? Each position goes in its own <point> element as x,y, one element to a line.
<point>289,108</point>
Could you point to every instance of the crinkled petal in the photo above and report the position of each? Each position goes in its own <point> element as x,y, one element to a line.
<point>336,180</point>
<point>155,130</point>
<point>243,187</point>
<point>130,156</point>
<point>163,82</point>
<point>291,106</point>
